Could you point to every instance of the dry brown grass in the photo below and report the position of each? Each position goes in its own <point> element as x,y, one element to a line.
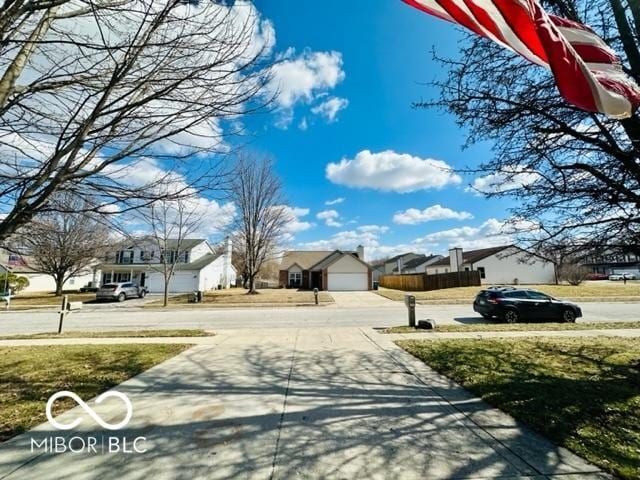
<point>46,299</point>
<point>239,297</point>
<point>589,291</point>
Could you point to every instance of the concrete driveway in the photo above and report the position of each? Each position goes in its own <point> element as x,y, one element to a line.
<point>313,404</point>
<point>361,300</point>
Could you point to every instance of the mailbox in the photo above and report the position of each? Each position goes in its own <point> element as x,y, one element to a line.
<point>74,306</point>
<point>315,293</point>
<point>410,302</point>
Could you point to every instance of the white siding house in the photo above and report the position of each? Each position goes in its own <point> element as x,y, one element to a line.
<point>42,282</point>
<point>199,267</point>
<point>505,265</point>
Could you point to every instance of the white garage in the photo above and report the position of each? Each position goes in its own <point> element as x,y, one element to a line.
<point>181,282</point>
<point>347,274</point>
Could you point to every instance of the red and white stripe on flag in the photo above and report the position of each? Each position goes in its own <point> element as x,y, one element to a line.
<point>588,73</point>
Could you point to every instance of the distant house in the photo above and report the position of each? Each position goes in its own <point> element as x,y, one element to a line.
<point>334,270</point>
<point>398,262</point>
<point>498,265</point>
<point>22,265</point>
<point>199,266</point>
<point>418,264</point>
<point>610,262</point>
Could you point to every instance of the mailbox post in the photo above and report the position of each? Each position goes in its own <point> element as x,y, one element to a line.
<point>315,293</point>
<point>410,302</point>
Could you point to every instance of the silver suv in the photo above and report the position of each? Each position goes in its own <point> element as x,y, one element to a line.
<point>120,291</point>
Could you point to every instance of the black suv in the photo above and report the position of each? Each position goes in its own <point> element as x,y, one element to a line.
<point>521,304</point>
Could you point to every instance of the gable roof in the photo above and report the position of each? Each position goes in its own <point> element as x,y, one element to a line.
<point>200,263</point>
<point>472,256</point>
<point>304,259</point>
<point>416,262</point>
<point>395,259</point>
<point>314,260</point>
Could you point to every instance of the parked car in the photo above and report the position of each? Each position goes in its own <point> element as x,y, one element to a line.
<point>120,291</point>
<point>621,276</point>
<point>597,276</point>
<point>89,287</point>
<point>513,305</point>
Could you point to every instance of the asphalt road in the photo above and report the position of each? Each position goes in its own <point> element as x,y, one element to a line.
<point>235,318</point>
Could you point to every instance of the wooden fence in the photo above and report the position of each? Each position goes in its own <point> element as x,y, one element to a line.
<point>421,282</point>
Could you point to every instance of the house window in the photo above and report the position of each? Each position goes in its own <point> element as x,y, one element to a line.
<point>125,257</point>
<point>466,269</point>
<point>295,279</point>
<point>482,272</point>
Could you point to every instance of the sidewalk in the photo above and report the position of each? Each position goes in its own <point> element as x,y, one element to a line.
<point>300,403</point>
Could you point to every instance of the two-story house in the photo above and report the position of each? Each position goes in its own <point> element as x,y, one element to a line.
<point>198,265</point>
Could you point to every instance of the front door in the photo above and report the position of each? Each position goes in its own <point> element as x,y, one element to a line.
<point>142,279</point>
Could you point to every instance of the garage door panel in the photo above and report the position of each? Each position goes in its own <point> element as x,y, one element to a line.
<point>348,281</point>
<point>180,283</point>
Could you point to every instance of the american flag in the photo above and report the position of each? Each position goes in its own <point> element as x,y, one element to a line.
<point>587,71</point>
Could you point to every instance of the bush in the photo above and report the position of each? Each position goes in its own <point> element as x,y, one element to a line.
<point>573,274</point>
<point>14,282</point>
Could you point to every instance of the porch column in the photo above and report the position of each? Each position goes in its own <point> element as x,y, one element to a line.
<point>111,278</point>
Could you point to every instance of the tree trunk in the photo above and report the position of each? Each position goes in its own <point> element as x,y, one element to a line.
<point>59,284</point>
<point>165,298</point>
<point>252,284</point>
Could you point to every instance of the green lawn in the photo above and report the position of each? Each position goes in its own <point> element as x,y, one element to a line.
<point>518,327</point>
<point>30,375</point>
<point>114,334</point>
<point>588,291</point>
<point>581,393</point>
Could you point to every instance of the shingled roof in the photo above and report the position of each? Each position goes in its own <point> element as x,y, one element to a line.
<point>304,259</point>
<point>472,256</point>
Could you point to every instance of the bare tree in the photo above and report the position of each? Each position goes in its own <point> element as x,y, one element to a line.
<point>573,273</point>
<point>110,100</point>
<point>262,216</point>
<point>171,223</point>
<point>575,175</point>
<point>64,244</point>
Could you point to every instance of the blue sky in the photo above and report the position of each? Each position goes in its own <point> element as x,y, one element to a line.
<point>347,75</point>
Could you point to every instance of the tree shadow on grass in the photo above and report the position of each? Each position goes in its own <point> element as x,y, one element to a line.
<point>269,411</point>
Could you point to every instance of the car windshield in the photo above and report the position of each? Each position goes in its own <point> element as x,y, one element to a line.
<point>110,285</point>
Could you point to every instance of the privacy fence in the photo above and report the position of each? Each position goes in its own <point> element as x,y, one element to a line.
<point>421,282</point>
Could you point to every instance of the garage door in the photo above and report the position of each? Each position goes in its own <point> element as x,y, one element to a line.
<point>180,283</point>
<point>340,282</point>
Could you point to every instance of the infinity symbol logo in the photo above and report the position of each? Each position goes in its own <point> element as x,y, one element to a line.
<point>89,410</point>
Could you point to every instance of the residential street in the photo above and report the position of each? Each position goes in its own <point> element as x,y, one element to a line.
<point>299,403</point>
<point>305,317</point>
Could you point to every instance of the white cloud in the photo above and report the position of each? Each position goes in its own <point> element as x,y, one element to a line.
<point>366,235</point>
<point>303,125</point>
<point>335,201</point>
<point>391,171</point>
<point>504,181</point>
<point>329,109</point>
<point>413,216</point>
<point>304,77</point>
<point>330,218</point>
<point>373,228</point>
<point>491,233</point>
<point>295,224</point>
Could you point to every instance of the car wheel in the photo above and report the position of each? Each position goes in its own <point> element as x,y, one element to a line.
<point>511,316</point>
<point>142,294</point>
<point>569,316</point>
<point>486,316</point>
<point>122,297</point>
